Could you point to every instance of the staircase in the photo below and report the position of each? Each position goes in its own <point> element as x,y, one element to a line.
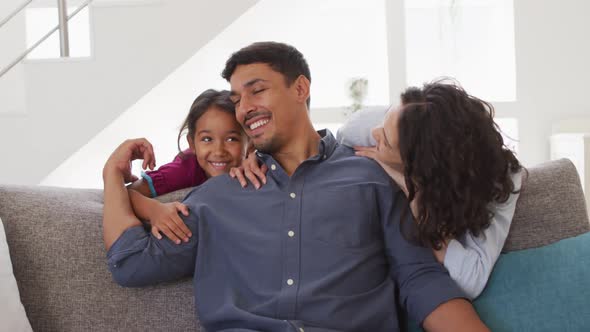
<point>135,43</point>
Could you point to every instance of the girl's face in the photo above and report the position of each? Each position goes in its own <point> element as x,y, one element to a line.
<point>218,143</point>
<point>387,138</point>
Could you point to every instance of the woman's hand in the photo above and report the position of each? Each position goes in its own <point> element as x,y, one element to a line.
<point>131,149</point>
<point>395,173</point>
<point>440,254</point>
<point>164,218</point>
<point>250,170</point>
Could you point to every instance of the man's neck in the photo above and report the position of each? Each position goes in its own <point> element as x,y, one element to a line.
<point>300,149</point>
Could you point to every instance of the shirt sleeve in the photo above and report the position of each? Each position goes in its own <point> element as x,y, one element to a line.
<point>356,131</point>
<point>423,283</point>
<point>139,259</point>
<point>471,259</point>
<point>183,172</point>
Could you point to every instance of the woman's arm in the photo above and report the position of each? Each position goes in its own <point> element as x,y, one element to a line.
<point>356,131</point>
<point>470,260</point>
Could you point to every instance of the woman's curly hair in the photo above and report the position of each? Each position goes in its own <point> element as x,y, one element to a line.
<point>455,161</point>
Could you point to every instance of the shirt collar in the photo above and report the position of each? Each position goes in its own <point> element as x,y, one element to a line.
<point>326,147</point>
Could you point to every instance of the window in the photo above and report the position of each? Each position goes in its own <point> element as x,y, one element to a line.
<point>470,40</point>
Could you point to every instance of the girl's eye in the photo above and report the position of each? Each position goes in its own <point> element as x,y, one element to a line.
<point>206,139</point>
<point>233,139</point>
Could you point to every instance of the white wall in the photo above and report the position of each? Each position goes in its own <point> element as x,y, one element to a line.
<point>552,55</point>
<point>12,43</point>
<point>263,21</point>
<point>69,101</point>
<point>553,70</point>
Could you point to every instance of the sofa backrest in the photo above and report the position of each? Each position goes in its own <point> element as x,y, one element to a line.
<point>59,261</point>
<point>55,241</point>
<point>551,207</point>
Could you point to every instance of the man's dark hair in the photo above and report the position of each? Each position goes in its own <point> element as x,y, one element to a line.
<point>282,58</point>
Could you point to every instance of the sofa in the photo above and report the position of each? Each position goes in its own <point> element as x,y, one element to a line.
<point>54,237</point>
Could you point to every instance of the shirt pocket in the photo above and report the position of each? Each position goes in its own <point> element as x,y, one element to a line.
<point>347,217</point>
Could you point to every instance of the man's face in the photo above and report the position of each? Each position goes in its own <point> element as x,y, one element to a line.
<point>265,106</point>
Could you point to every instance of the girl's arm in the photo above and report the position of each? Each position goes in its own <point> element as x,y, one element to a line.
<point>470,260</point>
<point>182,172</point>
<point>140,186</point>
<point>163,217</point>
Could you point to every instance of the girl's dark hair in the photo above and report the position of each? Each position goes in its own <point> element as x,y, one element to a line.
<point>455,161</point>
<point>207,99</point>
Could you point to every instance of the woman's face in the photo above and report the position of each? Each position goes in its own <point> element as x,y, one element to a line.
<point>387,138</point>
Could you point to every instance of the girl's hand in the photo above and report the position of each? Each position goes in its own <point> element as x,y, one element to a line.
<point>251,170</point>
<point>131,149</point>
<point>164,218</point>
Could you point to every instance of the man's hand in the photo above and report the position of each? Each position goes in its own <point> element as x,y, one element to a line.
<point>164,218</point>
<point>455,315</point>
<point>250,170</point>
<point>131,149</point>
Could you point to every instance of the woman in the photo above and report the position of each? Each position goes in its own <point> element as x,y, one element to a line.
<point>443,149</point>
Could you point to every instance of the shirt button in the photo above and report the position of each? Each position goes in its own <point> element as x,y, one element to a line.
<point>291,233</point>
<point>273,167</point>
<point>290,282</point>
<point>325,156</point>
<point>293,195</point>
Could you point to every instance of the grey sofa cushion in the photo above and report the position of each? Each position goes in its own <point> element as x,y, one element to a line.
<point>55,241</point>
<point>551,207</point>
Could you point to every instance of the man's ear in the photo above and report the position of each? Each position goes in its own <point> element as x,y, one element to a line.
<point>302,85</point>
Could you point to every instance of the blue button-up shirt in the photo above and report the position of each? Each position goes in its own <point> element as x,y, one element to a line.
<point>321,250</point>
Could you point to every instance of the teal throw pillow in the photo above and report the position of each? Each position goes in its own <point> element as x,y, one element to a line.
<point>540,289</point>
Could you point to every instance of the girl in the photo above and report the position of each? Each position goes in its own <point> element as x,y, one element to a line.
<point>443,149</point>
<point>216,144</point>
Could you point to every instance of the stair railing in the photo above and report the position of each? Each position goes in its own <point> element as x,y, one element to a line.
<point>62,26</point>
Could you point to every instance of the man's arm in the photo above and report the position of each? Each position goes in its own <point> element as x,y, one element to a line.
<point>454,315</point>
<point>135,258</point>
<point>426,290</point>
<point>118,214</point>
<point>117,211</point>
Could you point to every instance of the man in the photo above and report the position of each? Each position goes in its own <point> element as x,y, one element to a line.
<point>317,248</point>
